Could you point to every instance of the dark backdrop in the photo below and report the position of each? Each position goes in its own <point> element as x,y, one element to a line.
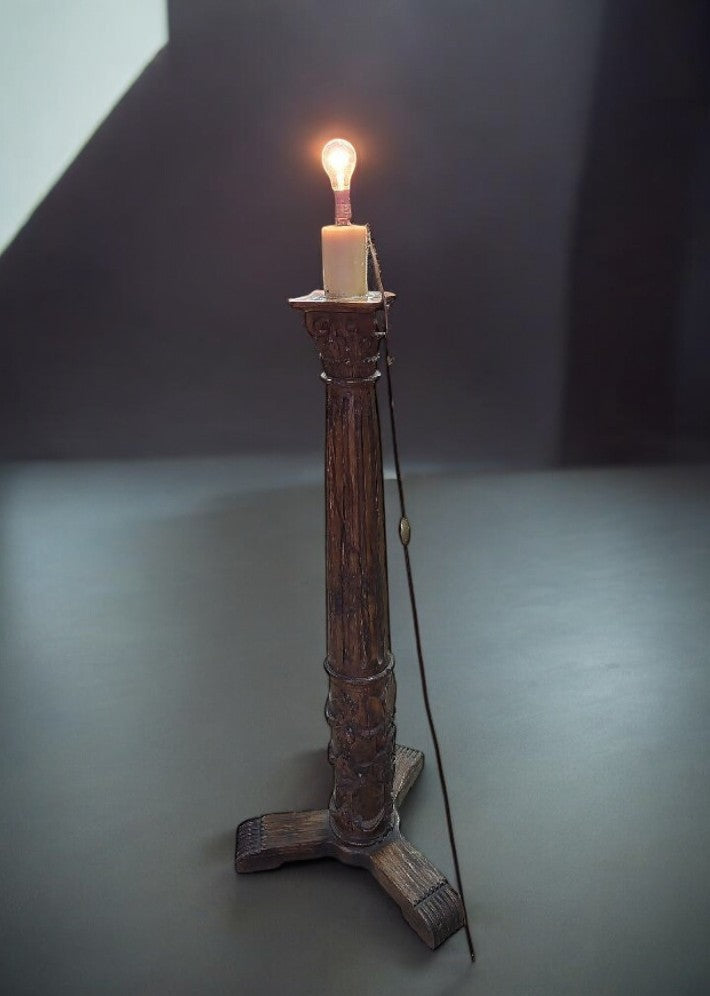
<point>536,173</point>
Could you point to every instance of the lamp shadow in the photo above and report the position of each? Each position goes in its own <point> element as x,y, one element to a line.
<point>641,231</point>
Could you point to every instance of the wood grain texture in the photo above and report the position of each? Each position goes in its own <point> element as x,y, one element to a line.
<point>408,764</point>
<point>361,697</point>
<point>266,842</point>
<point>428,902</point>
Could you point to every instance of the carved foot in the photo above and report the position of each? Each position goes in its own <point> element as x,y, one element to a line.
<point>408,764</point>
<point>269,841</point>
<point>428,903</point>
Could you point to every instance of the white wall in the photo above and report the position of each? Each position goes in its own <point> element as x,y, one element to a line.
<point>63,65</point>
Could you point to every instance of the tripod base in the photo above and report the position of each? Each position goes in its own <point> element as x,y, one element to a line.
<point>428,902</point>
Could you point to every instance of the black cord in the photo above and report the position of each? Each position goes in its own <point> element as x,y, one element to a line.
<point>404,535</point>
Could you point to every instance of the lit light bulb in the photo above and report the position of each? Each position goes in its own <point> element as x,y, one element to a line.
<point>339,158</point>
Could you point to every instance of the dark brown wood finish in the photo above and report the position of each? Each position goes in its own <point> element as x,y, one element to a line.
<point>370,776</point>
<point>359,662</point>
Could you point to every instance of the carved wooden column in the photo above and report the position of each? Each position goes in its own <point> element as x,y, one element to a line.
<point>371,776</point>
<point>359,662</point>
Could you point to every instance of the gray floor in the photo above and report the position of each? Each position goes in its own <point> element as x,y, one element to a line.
<point>161,680</point>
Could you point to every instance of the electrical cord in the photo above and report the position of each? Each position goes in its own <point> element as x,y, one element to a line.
<point>404,536</point>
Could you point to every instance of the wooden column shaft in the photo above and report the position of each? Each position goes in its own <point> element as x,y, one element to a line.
<point>361,698</point>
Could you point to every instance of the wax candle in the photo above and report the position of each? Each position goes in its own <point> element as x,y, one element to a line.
<point>344,245</point>
<point>344,260</point>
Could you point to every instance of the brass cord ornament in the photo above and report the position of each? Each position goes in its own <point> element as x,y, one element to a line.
<point>405,533</point>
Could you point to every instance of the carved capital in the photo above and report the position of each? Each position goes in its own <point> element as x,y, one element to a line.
<point>348,345</point>
<point>347,334</point>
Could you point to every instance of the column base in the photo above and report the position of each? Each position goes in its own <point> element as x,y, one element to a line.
<point>428,902</point>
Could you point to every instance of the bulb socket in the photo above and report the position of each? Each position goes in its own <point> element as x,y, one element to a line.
<point>343,210</point>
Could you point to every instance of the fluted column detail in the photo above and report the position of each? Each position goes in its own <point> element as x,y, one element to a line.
<point>359,662</point>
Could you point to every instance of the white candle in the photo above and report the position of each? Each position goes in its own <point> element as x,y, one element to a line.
<point>344,260</point>
<point>344,245</point>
